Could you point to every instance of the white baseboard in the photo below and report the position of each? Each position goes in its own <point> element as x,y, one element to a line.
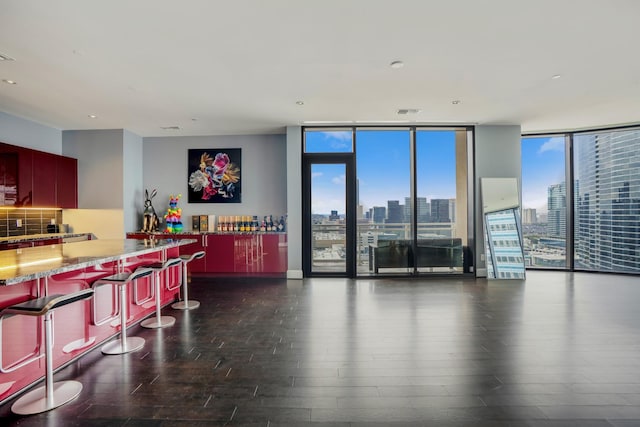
<point>294,274</point>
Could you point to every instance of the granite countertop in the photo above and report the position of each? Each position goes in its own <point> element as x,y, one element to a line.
<point>44,236</point>
<point>20,265</point>
<point>200,233</point>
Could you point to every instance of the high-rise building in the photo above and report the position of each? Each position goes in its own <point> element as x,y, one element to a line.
<point>395,212</point>
<point>440,210</point>
<point>452,210</point>
<point>607,213</point>
<point>529,216</point>
<point>379,214</point>
<point>557,210</point>
<point>422,209</point>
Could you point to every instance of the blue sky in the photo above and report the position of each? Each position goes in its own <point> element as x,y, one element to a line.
<point>383,167</point>
<point>543,164</point>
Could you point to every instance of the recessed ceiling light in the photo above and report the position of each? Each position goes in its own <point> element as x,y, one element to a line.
<point>397,64</point>
<point>299,102</point>
<point>455,102</point>
<point>556,76</point>
<point>10,82</point>
<point>92,116</point>
<point>403,111</point>
<point>4,57</point>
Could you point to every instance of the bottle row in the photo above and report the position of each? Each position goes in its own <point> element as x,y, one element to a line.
<point>238,223</point>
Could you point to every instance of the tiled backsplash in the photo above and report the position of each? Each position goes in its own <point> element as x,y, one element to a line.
<point>34,221</point>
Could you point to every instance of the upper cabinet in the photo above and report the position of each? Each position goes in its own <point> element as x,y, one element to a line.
<point>31,178</point>
<point>67,183</point>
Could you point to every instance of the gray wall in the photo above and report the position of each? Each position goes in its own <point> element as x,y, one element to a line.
<point>25,133</point>
<point>132,192</point>
<point>497,155</point>
<point>294,201</point>
<point>263,174</point>
<point>100,166</point>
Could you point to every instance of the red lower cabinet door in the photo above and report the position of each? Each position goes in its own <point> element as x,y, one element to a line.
<point>220,253</point>
<point>274,250</point>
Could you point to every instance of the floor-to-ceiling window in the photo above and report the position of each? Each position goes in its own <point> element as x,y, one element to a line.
<point>409,205</point>
<point>383,165</point>
<point>593,223</point>
<point>607,201</point>
<point>544,201</point>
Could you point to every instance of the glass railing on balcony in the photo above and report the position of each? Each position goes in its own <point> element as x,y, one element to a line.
<point>387,248</point>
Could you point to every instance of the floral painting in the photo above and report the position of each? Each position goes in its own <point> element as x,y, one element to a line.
<point>214,175</point>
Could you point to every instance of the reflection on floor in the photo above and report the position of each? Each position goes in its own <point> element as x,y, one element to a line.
<point>557,350</point>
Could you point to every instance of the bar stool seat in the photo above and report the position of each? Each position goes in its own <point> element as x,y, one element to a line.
<point>187,304</point>
<point>160,321</point>
<point>121,280</point>
<point>51,395</point>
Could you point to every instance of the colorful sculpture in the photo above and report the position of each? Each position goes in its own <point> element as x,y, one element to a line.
<point>150,218</point>
<point>173,215</point>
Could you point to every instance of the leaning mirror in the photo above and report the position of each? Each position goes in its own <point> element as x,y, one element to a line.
<point>502,228</point>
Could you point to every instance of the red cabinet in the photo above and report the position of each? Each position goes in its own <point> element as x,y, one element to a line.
<point>220,253</point>
<point>45,166</point>
<point>233,254</point>
<point>44,180</point>
<point>274,253</point>
<point>67,182</point>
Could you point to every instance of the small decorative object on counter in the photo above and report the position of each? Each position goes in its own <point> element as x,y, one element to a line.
<point>173,215</point>
<point>150,219</point>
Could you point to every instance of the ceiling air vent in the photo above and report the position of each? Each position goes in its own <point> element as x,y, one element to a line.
<point>404,111</point>
<point>4,57</point>
<point>170,127</point>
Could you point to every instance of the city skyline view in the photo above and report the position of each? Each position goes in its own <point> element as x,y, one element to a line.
<point>543,168</point>
<point>383,167</point>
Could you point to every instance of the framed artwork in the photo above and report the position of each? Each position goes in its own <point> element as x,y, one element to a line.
<point>214,175</point>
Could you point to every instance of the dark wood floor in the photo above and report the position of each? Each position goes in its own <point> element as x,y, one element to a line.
<point>557,350</point>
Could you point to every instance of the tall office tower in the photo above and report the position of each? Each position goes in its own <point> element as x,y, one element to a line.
<point>440,210</point>
<point>395,212</point>
<point>452,210</point>
<point>422,208</point>
<point>407,209</point>
<point>607,201</point>
<point>557,210</point>
<point>334,216</point>
<point>379,214</point>
<point>529,216</point>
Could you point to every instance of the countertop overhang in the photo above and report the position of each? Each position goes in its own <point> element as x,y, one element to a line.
<point>20,265</point>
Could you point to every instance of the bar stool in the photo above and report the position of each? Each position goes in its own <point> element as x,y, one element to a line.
<point>160,321</point>
<point>185,304</point>
<point>121,280</point>
<point>51,395</point>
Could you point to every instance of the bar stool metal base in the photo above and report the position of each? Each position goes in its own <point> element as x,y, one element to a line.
<point>161,322</point>
<point>36,400</point>
<point>119,347</point>
<point>186,305</point>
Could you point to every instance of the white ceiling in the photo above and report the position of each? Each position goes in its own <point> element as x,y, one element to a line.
<point>239,66</point>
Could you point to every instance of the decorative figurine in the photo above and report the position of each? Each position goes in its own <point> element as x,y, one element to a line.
<point>150,220</point>
<point>173,215</point>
